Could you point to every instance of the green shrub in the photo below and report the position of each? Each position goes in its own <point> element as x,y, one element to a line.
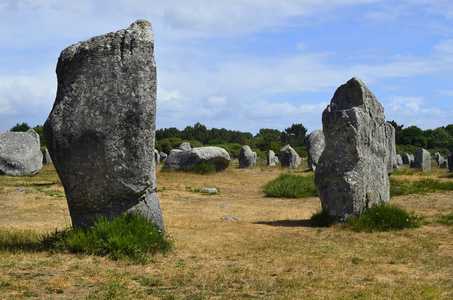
<point>291,186</point>
<point>384,217</point>
<point>131,237</point>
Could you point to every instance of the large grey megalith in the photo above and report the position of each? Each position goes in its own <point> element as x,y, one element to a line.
<point>352,172</point>
<point>100,132</point>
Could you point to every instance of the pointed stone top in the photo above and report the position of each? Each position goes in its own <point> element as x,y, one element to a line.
<point>351,94</point>
<point>142,28</point>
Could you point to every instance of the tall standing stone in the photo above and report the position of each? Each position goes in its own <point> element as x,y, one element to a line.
<point>272,160</point>
<point>100,132</point>
<point>422,160</point>
<point>352,171</point>
<point>315,147</point>
<point>289,157</point>
<point>247,158</point>
<point>390,133</point>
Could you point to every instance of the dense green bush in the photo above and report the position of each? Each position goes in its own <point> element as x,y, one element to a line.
<point>291,186</point>
<point>131,236</point>
<point>384,217</point>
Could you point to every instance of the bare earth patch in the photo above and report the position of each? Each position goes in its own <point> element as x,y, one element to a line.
<point>269,251</point>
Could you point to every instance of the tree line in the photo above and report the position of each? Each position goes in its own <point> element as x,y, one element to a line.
<point>407,139</point>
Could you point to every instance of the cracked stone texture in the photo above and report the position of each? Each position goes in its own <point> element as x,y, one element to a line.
<point>100,132</point>
<point>352,171</point>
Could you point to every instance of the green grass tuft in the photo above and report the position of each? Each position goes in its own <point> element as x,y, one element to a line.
<point>384,217</point>
<point>291,186</point>
<point>445,219</point>
<point>204,168</point>
<point>14,240</point>
<point>129,237</point>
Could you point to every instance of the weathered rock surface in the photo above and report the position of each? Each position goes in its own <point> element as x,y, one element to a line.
<point>289,157</point>
<point>185,146</point>
<point>352,173</point>
<point>20,153</point>
<point>46,159</point>
<point>163,157</point>
<point>315,147</point>
<point>399,161</point>
<point>156,157</point>
<point>247,158</point>
<point>390,134</point>
<point>187,159</point>
<point>408,159</point>
<point>272,159</point>
<point>422,160</point>
<point>100,132</point>
<point>437,156</point>
<point>210,191</point>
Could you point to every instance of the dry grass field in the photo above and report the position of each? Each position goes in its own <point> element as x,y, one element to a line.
<point>269,251</point>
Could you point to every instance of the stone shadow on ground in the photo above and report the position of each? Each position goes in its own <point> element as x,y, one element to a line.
<point>287,223</point>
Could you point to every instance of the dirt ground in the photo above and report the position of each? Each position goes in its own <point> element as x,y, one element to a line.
<point>268,250</point>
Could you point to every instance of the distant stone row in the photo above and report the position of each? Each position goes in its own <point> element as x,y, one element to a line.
<point>421,160</point>
<point>187,158</point>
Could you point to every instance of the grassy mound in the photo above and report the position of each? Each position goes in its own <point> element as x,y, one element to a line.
<point>291,186</point>
<point>384,217</point>
<point>129,237</point>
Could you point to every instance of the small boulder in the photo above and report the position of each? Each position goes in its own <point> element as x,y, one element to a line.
<point>422,160</point>
<point>163,156</point>
<point>315,147</point>
<point>399,161</point>
<point>289,157</point>
<point>180,159</point>
<point>272,159</point>
<point>156,157</point>
<point>407,158</point>
<point>247,158</point>
<point>185,146</point>
<point>20,153</point>
<point>46,159</point>
<point>210,191</point>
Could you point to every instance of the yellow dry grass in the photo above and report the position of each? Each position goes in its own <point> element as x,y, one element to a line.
<point>269,252</point>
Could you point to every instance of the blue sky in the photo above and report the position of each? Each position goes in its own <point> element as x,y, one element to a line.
<point>244,64</point>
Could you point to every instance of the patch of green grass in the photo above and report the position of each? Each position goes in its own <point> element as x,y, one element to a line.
<point>203,168</point>
<point>291,186</point>
<point>427,185</point>
<point>445,219</point>
<point>19,240</point>
<point>129,237</point>
<point>384,217</point>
